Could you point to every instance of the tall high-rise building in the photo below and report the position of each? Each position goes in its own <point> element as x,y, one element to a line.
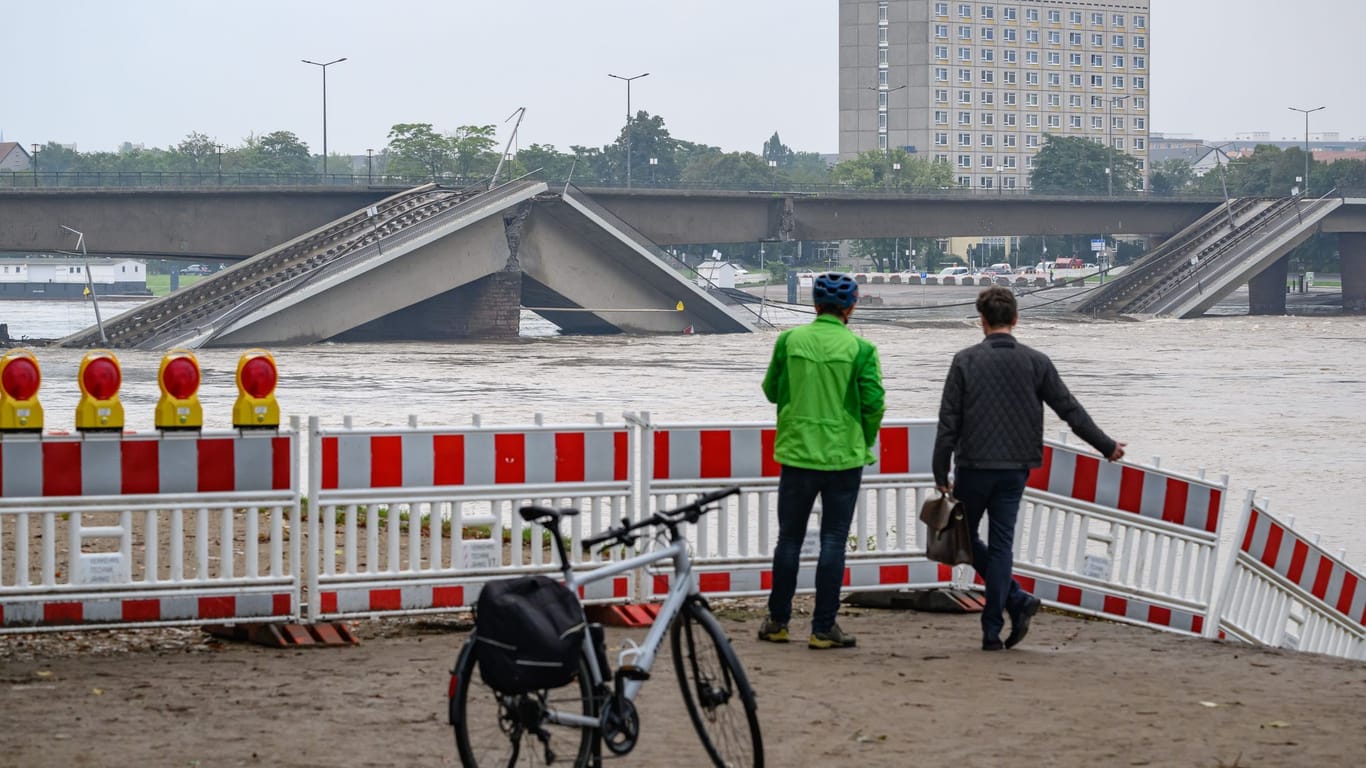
<point>978,84</point>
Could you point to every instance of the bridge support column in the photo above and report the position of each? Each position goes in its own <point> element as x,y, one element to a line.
<point>488,308</point>
<point>1266,291</point>
<point>1352,253</point>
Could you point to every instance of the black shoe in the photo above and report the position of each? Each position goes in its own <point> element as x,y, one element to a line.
<point>992,645</point>
<point>1019,622</point>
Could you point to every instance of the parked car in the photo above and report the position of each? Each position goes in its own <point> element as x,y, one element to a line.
<point>1001,269</point>
<point>954,272</point>
<point>196,269</point>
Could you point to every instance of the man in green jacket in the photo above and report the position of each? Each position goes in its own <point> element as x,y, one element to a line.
<point>827,384</point>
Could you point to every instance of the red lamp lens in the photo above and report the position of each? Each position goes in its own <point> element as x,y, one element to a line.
<point>20,378</point>
<point>258,377</point>
<point>180,378</point>
<point>101,378</point>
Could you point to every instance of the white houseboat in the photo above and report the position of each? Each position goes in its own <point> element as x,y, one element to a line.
<point>38,277</point>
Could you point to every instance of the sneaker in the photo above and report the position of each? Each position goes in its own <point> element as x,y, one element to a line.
<point>773,632</point>
<point>834,638</point>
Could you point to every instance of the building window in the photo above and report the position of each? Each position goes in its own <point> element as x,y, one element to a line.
<point>964,181</point>
<point>988,161</point>
<point>965,97</point>
<point>965,33</point>
<point>1031,78</point>
<point>1140,124</point>
<point>1031,121</point>
<point>1031,141</point>
<point>1055,121</point>
<point>1008,34</point>
<point>1074,17</point>
<point>1074,80</point>
<point>941,117</point>
<point>964,139</point>
<point>1054,58</point>
<point>1097,102</point>
<point>1054,78</point>
<point>1054,37</point>
<point>881,11</point>
<point>988,118</point>
<point>1031,14</point>
<point>881,99</point>
<point>1008,161</point>
<point>988,55</point>
<point>941,9</point>
<point>1117,20</point>
<point>941,52</point>
<point>882,121</point>
<point>965,54</point>
<point>882,141</point>
<point>1140,22</point>
<point>941,31</point>
<point>942,159</point>
<point>1055,17</point>
<point>941,139</point>
<point>965,75</point>
<point>1008,140</point>
<point>1140,42</point>
<point>1140,83</point>
<point>1031,36</point>
<point>1032,100</point>
<point>1117,123</point>
<point>1139,101</point>
<point>882,77</point>
<point>988,12</point>
<point>1117,41</point>
<point>1097,19</point>
<point>941,95</point>
<point>1097,40</point>
<point>1117,82</point>
<point>1008,77</point>
<point>988,33</point>
<point>988,140</point>
<point>1096,122</point>
<point>1074,101</point>
<point>882,35</point>
<point>1118,143</point>
<point>1054,100</point>
<point>988,76</point>
<point>1074,121</point>
<point>965,118</point>
<point>941,74</point>
<point>882,57</point>
<point>1097,60</point>
<point>1008,13</point>
<point>1008,98</point>
<point>964,11</point>
<point>1074,59</point>
<point>1140,62</point>
<point>1097,81</point>
<point>1117,62</point>
<point>1009,55</point>
<point>1008,119</point>
<point>1031,57</point>
<point>1139,144</point>
<point>965,161</point>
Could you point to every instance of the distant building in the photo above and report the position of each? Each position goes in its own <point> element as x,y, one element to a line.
<point>41,277</point>
<point>979,84</point>
<point>14,157</point>
<point>716,274</point>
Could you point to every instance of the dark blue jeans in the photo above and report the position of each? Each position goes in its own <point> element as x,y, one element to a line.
<point>797,492</point>
<point>995,493</point>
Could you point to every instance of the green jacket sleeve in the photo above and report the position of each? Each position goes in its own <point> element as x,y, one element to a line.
<point>775,380</point>
<point>872,398</point>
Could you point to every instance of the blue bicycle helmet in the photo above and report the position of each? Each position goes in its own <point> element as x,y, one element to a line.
<point>834,288</point>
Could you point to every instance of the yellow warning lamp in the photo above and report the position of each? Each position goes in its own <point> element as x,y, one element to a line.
<point>99,378</point>
<point>179,378</point>
<point>256,378</point>
<point>20,377</point>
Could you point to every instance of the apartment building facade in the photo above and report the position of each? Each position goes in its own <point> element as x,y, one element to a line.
<point>978,84</point>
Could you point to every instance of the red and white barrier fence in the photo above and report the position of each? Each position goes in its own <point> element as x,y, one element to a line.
<point>415,520</point>
<point>1284,590</point>
<point>1122,541</point>
<point>733,549</point>
<point>120,529</point>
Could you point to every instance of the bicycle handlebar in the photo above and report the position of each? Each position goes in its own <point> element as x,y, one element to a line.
<point>689,512</point>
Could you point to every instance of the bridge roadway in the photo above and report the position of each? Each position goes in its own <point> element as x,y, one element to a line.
<point>237,223</point>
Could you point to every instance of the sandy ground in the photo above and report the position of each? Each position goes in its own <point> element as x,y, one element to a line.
<point>916,691</point>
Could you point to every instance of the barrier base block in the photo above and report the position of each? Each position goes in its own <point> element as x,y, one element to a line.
<point>926,600</point>
<point>635,615</point>
<point>328,634</point>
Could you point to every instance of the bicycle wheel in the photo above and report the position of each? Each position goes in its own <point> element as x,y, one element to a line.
<point>493,729</point>
<point>711,678</point>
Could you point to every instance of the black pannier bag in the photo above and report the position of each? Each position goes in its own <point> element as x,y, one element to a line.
<point>530,632</point>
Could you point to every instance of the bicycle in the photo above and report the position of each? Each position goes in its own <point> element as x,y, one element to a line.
<point>492,728</point>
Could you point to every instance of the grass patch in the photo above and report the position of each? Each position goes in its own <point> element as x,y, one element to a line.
<point>160,285</point>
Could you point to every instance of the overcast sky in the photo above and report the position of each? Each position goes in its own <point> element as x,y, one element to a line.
<point>724,72</point>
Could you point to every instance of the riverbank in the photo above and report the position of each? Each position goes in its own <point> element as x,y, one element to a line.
<point>1076,694</point>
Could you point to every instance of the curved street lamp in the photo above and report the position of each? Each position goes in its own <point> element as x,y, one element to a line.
<point>1307,113</point>
<point>628,119</point>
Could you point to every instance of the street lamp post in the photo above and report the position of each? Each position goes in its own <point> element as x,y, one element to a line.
<point>323,67</point>
<point>628,119</point>
<point>653,162</point>
<point>896,173</point>
<point>369,166</point>
<point>1306,112</point>
<point>1110,144</point>
<point>35,164</point>
<point>218,150</point>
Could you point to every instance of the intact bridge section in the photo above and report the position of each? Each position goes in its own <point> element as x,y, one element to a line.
<point>433,263</point>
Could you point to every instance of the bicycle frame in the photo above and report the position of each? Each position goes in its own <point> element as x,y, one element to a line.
<point>645,653</point>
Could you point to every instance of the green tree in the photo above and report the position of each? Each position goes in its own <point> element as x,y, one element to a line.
<point>475,150</point>
<point>546,161</point>
<point>275,152</point>
<point>1072,165</point>
<point>1170,176</point>
<point>416,149</point>
<point>877,170</point>
<point>777,151</point>
<point>196,153</point>
<point>733,169</point>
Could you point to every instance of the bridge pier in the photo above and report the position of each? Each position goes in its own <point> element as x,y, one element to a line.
<point>1266,290</point>
<point>487,308</point>
<point>1352,254</point>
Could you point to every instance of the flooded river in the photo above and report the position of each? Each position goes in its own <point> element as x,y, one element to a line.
<point>1277,403</point>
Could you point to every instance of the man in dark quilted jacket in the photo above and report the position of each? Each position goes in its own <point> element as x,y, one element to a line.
<point>991,424</point>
